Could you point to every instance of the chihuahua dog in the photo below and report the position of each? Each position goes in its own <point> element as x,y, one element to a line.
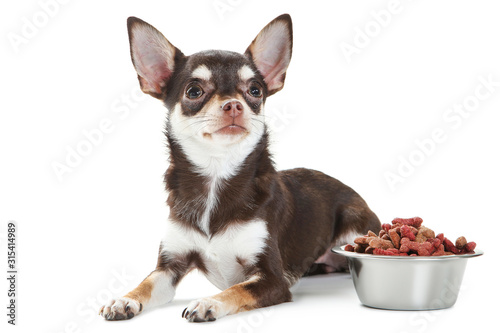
<point>253,231</point>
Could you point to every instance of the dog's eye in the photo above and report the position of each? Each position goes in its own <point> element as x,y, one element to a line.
<point>194,92</point>
<point>255,91</point>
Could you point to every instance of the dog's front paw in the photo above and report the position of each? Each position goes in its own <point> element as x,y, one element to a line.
<point>204,309</point>
<point>121,308</point>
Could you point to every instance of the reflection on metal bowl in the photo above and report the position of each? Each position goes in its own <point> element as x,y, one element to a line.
<point>407,283</point>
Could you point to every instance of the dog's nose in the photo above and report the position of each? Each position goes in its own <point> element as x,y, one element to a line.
<point>233,108</point>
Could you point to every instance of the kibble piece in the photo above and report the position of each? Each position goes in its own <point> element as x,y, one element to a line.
<point>436,242</point>
<point>363,240</point>
<point>424,234</point>
<point>379,243</point>
<point>414,221</point>
<point>386,227</point>
<point>359,248</point>
<point>407,232</point>
<point>450,247</point>
<point>349,248</point>
<point>461,242</point>
<point>369,250</point>
<point>423,249</point>
<point>395,238</point>
<point>469,247</point>
<point>388,252</point>
<point>439,251</point>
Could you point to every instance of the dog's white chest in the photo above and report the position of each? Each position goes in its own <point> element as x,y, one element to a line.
<point>224,255</point>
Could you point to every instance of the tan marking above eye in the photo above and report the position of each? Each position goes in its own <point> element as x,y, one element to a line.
<point>202,72</point>
<point>246,73</point>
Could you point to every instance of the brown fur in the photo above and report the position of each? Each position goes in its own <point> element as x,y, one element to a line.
<point>237,298</point>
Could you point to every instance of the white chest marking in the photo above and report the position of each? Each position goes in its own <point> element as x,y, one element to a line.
<point>212,200</point>
<point>222,254</point>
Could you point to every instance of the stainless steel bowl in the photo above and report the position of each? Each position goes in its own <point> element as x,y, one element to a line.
<point>406,283</point>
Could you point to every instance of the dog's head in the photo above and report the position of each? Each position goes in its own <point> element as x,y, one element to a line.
<point>215,98</point>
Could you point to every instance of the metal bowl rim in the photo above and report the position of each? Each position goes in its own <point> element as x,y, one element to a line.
<point>340,250</point>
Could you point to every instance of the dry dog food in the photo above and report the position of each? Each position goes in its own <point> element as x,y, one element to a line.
<point>408,237</point>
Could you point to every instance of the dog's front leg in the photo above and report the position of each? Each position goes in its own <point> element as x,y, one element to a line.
<point>260,290</point>
<point>156,289</point>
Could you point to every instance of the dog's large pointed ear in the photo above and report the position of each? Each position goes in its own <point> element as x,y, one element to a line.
<point>152,55</point>
<point>271,51</point>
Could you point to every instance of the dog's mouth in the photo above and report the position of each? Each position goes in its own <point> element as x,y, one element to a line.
<point>232,129</point>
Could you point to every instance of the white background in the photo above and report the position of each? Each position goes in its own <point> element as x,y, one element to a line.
<point>355,118</point>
